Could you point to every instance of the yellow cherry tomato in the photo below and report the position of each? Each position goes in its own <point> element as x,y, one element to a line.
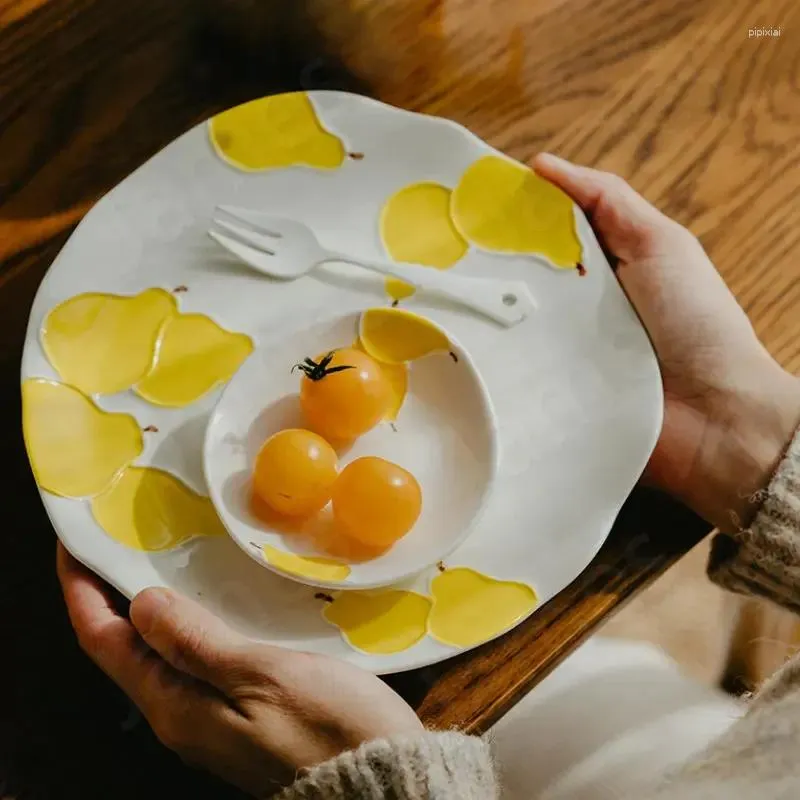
<point>375,501</point>
<point>295,472</point>
<point>344,394</point>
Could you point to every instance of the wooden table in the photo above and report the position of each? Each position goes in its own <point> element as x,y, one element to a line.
<point>672,94</point>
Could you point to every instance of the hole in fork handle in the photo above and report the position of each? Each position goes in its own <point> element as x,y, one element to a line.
<point>509,299</point>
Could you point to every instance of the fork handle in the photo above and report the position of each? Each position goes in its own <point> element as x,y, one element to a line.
<point>506,302</point>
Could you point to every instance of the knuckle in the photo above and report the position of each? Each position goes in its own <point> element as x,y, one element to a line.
<point>246,664</point>
<point>614,183</point>
<point>191,753</point>
<point>190,639</point>
<point>678,235</point>
<point>689,237</point>
<point>189,645</point>
<point>170,732</point>
<point>174,722</point>
<point>263,683</point>
<point>266,692</point>
<point>90,640</point>
<point>196,734</point>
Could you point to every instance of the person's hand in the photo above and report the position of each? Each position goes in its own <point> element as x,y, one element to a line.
<point>251,713</point>
<point>730,408</point>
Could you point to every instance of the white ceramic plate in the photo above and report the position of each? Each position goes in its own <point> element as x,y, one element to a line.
<point>576,387</point>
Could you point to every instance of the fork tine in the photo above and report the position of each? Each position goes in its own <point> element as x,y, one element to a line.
<point>261,242</point>
<point>253,218</point>
<point>258,259</point>
<point>241,251</point>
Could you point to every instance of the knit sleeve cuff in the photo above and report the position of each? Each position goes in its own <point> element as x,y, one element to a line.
<point>764,559</point>
<point>432,766</point>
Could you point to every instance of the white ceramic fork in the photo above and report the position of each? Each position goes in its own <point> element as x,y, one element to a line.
<point>287,249</point>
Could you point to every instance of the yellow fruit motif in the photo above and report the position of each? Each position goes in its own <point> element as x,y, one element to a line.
<point>416,227</point>
<point>279,131</point>
<point>194,356</point>
<point>503,207</point>
<point>75,448</point>
<point>105,343</point>
<point>315,568</point>
<point>394,335</point>
<point>149,509</point>
<point>380,621</point>
<point>397,377</point>
<point>470,608</point>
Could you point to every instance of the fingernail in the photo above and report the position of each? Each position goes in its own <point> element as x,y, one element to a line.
<point>148,606</point>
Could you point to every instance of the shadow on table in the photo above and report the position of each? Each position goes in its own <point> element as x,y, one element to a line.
<point>97,88</point>
<point>96,92</point>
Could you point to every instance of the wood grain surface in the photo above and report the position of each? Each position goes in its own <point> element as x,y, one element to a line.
<point>672,94</point>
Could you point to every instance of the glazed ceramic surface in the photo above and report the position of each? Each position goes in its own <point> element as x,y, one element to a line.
<point>445,436</point>
<point>142,320</point>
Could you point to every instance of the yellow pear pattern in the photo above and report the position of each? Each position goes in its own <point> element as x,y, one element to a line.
<point>149,509</point>
<point>503,207</point>
<point>105,343</point>
<point>380,621</point>
<point>75,448</point>
<point>464,609</point>
<point>416,227</point>
<point>271,132</point>
<point>314,568</point>
<point>396,336</point>
<point>195,355</point>
<point>470,608</point>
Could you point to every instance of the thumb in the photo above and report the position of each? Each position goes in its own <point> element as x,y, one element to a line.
<point>629,228</point>
<point>188,637</point>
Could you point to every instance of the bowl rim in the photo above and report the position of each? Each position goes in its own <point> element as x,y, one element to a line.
<point>489,415</point>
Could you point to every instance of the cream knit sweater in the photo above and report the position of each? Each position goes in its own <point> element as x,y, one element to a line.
<point>759,757</point>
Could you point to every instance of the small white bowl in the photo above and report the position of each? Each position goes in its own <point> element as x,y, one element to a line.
<point>445,435</point>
